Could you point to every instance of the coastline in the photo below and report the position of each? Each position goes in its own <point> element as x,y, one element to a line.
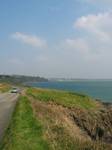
<point>97,90</point>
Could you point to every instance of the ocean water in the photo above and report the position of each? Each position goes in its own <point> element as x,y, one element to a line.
<point>97,89</point>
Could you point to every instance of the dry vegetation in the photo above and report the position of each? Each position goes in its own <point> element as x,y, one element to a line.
<point>72,127</point>
<point>4,87</point>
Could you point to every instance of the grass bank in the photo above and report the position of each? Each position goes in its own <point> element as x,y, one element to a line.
<point>4,87</point>
<point>24,132</point>
<point>67,99</point>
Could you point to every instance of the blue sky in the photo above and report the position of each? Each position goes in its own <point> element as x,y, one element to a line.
<point>69,38</point>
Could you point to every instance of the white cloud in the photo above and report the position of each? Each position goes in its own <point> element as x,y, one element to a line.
<point>98,25</point>
<point>95,40</point>
<point>86,55</point>
<point>29,39</point>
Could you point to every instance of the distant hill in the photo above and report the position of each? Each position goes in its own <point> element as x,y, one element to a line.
<point>20,79</point>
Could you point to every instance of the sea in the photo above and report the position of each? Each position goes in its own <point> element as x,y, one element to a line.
<point>97,89</point>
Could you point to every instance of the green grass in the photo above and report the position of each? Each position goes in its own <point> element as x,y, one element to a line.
<point>24,132</point>
<point>67,99</point>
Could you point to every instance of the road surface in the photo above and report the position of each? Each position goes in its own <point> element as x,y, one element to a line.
<point>7,104</point>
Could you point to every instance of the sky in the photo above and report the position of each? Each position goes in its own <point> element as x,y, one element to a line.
<point>54,38</point>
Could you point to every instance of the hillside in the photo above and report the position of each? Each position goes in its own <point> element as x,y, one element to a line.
<point>20,79</point>
<point>59,120</point>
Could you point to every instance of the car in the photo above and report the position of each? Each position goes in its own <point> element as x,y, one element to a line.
<point>14,90</point>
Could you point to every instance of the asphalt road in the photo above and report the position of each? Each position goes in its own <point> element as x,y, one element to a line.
<point>7,104</point>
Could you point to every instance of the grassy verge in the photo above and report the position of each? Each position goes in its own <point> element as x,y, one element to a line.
<point>24,132</point>
<point>67,99</point>
<point>4,87</point>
